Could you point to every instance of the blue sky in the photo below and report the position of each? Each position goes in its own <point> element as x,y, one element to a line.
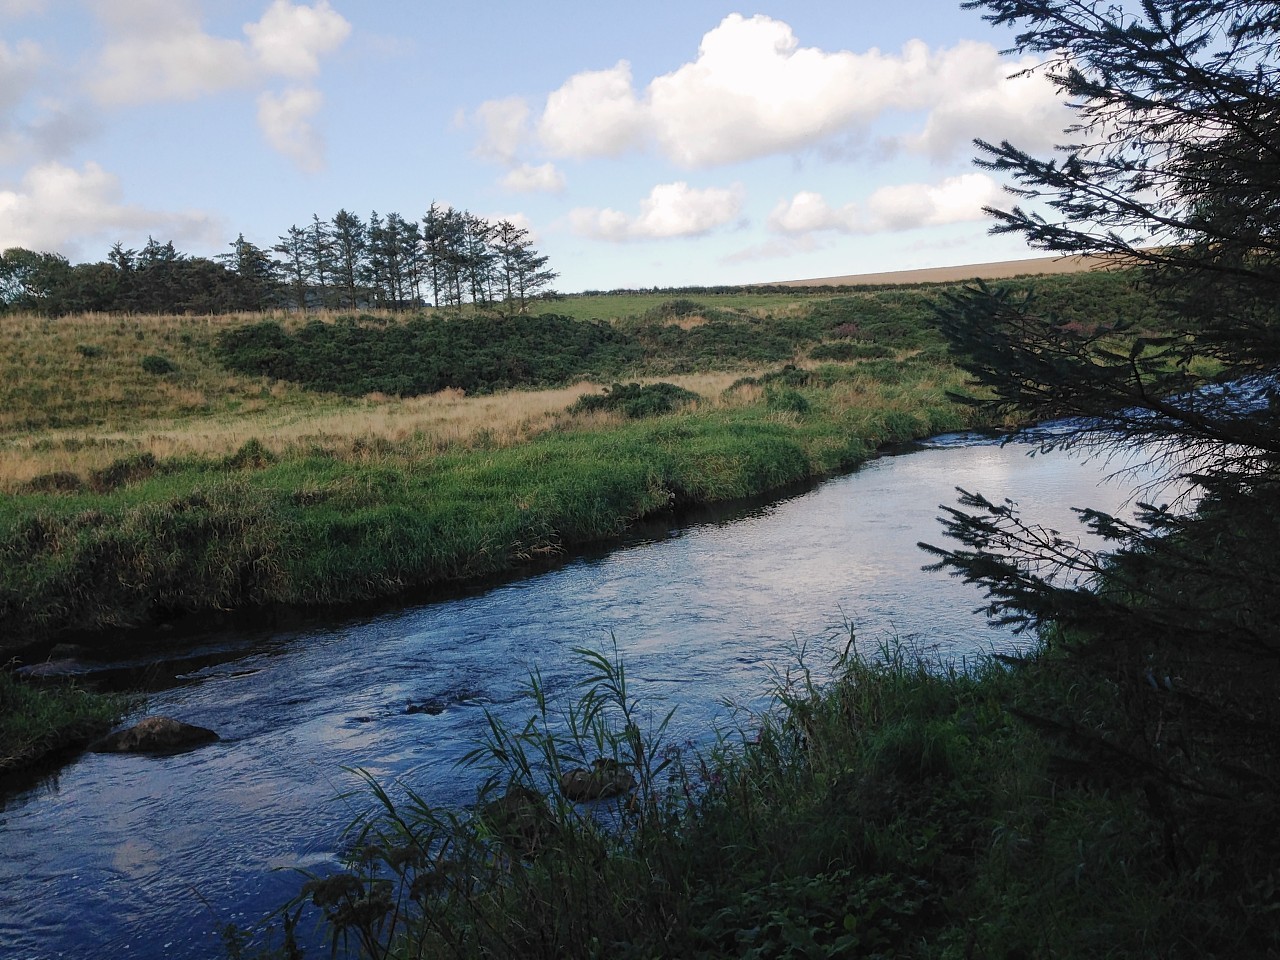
<point>641,144</point>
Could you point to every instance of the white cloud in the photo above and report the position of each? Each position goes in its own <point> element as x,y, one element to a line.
<point>290,39</point>
<point>20,66</point>
<point>59,208</point>
<point>754,91</point>
<point>159,50</point>
<point>285,120</point>
<point>594,114</point>
<point>976,93</point>
<point>901,207</point>
<point>505,126</point>
<point>670,210</point>
<point>527,178</point>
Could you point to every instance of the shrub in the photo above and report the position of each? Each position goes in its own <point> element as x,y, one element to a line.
<point>158,365</point>
<point>59,481</point>
<point>126,470</point>
<point>785,400</point>
<point>846,350</point>
<point>635,401</point>
<point>88,350</point>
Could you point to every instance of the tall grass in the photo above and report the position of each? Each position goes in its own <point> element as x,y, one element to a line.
<point>36,721</point>
<point>881,807</point>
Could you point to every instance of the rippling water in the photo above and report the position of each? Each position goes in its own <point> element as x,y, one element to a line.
<point>129,856</point>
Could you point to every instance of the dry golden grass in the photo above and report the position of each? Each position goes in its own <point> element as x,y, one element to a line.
<point>287,421</point>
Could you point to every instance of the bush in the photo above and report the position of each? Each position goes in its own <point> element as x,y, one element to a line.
<point>120,472</point>
<point>785,400</point>
<point>846,350</point>
<point>158,365</point>
<point>636,401</point>
<point>59,481</point>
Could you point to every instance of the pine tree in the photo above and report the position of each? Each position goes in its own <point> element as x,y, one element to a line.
<point>1173,169</point>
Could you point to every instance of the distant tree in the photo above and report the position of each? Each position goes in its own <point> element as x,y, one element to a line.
<point>350,239</point>
<point>32,281</point>
<point>477,258</point>
<point>258,285</point>
<point>522,272</point>
<point>321,259</point>
<point>293,247</point>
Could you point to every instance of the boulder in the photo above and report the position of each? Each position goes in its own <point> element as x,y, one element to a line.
<point>606,778</point>
<point>155,735</point>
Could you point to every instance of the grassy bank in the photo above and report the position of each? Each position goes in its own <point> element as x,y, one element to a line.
<point>889,809</point>
<point>147,539</point>
<point>36,722</point>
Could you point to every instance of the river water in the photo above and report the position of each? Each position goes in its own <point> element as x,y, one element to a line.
<point>130,856</point>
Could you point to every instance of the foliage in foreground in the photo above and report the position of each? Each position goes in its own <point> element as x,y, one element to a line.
<point>896,809</point>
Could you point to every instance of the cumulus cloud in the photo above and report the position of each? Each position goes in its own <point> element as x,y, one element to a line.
<point>753,91</point>
<point>19,69</point>
<point>290,39</point>
<point>60,208</point>
<point>670,210</point>
<point>527,178</point>
<point>890,209</point>
<point>976,93</point>
<point>594,114</point>
<point>285,120</point>
<point>159,49</point>
<point>505,126</point>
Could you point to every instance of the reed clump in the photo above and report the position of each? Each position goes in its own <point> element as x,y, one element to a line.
<point>882,806</point>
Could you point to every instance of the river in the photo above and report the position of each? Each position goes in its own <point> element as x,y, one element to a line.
<point>147,857</point>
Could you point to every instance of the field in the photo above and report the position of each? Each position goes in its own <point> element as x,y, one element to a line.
<point>158,466</point>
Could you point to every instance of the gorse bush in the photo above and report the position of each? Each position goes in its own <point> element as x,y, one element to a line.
<point>635,400</point>
<point>422,355</point>
<point>157,365</point>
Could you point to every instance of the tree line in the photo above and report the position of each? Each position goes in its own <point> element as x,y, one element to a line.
<point>446,259</point>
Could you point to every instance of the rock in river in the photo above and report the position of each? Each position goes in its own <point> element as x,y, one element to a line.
<point>155,735</point>
<point>606,778</point>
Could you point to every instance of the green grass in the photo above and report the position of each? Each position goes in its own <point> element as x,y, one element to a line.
<point>163,538</point>
<point>882,807</point>
<point>36,721</point>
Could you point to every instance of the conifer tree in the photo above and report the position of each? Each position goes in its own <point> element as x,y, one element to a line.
<point>1173,170</point>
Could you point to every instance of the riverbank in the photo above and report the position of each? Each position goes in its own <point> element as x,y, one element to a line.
<point>886,806</point>
<point>166,538</point>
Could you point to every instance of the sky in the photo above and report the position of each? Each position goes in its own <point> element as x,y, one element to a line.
<point>642,145</point>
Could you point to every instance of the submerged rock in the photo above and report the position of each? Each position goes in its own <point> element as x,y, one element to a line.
<point>432,708</point>
<point>606,778</point>
<point>155,735</point>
